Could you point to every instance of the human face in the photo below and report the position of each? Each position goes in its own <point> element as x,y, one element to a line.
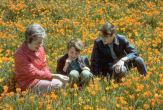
<point>72,53</point>
<point>36,43</point>
<point>107,39</point>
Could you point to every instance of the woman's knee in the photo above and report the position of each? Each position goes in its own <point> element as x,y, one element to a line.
<point>56,83</point>
<point>41,87</point>
<point>46,86</point>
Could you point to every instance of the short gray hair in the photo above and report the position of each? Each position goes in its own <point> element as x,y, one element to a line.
<point>33,31</point>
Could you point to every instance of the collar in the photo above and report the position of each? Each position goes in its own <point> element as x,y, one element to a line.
<point>116,41</point>
<point>27,50</point>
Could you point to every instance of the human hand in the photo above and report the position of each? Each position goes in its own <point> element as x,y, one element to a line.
<point>86,68</point>
<point>118,66</point>
<point>63,78</point>
<point>68,60</point>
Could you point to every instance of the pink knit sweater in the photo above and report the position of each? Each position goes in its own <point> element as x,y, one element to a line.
<point>30,66</point>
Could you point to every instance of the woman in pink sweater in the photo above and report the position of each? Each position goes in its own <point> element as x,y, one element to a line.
<point>31,70</point>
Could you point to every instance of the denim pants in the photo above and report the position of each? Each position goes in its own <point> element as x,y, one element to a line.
<point>137,62</point>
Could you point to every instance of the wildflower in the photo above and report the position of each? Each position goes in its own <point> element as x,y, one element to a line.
<point>5,89</point>
<point>53,96</point>
<point>147,94</point>
<point>11,94</point>
<point>31,99</point>
<point>139,87</point>
<point>118,105</point>
<point>49,107</point>
<point>18,90</point>
<point>40,104</point>
<point>87,107</point>
<point>146,106</point>
<point>8,107</point>
<point>103,98</point>
<point>1,79</point>
<point>20,100</point>
<point>75,86</point>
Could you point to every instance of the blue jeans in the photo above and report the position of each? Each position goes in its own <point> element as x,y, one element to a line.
<point>138,62</point>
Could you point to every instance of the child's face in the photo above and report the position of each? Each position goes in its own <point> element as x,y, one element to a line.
<point>72,53</point>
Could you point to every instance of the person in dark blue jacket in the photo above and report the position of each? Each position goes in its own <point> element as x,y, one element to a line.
<point>112,53</point>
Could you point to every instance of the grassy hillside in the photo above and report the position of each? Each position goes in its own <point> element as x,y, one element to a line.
<point>139,20</point>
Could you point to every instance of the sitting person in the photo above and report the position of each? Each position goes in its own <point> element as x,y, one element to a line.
<point>31,71</point>
<point>112,53</point>
<point>74,65</point>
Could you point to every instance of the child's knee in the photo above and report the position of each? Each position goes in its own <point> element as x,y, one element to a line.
<point>74,75</point>
<point>85,74</point>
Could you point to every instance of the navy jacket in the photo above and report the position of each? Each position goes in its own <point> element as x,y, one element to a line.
<point>102,60</point>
